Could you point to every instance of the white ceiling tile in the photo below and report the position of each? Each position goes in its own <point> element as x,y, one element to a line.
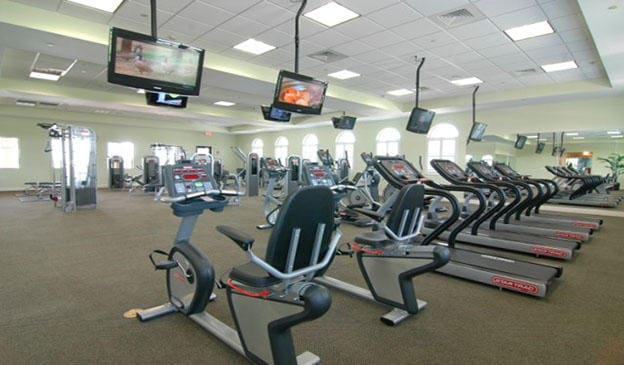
<point>358,28</point>
<point>371,56</point>
<point>548,40</point>
<point>549,55</point>
<point>449,50</point>
<point>480,66</point>
<point>123,23</point>
<point>417,28</point>
<point>275,38</point>
<point>428,7</point>
<point>586,55</point>
<point>559,8</point>
<point>352,48</point>
<point>139,13</point>
<point>575,35</point>
<point>487,41</point>
<point>466,57</point>
<point>234,53</point>
<point>44,4</point>
<point>515,65</point>
<point>306,27</point>
<point>567,75</point>
<point>233,6</point>
<point>245,27</point>
<point>269,14</point>
<point>220,36</point>
<point>189,27</point>
<point>84,12</point>
<point>492,8</point>
<point>437,39</point>
<point>382,39</point>
<point>580,45</point>
<point>328,38</point>
<point>473,30</point>
<point>389,64</point>
<point>173,6</point>
<point>394,15</point>
<point>206,14</point>
<point>502,50</point>
<point>520,17</point>
<point>173,35</point>
<point>510,59</point>
<point>364,7</point>
<point>401,49</point>
<point>567,22</point>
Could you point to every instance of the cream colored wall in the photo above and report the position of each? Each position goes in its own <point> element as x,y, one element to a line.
<point>35,164</point>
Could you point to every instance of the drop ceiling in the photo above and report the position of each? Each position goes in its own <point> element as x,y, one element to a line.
<point>380,45</point>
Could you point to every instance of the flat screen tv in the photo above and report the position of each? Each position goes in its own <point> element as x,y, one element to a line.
<point>520,142</point>
<point>298,93</point>
<point>158,65</point>
<point>477,131</point>
<point>540,147</point>
<point>269,112</point>
<point>420,121</point>
<point>343,122</point>
<point>164,99</point>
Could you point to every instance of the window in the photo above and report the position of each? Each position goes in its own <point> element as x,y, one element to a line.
<point>281,149</point>
<point>123,149</point>
<point>203,150</point>
<point>257,146</point>
<point>309,147</point>
<point>57,152</point>
<point>388,142</point>
<point>442,143</point>
<point>9,153</point>
<point>345,141</point>
<point>468,158</point>
<point>488,159</point>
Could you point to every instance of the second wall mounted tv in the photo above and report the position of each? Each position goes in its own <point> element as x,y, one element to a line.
<point>157,65</point>
<point>477,131</point>
<point>520,142</point>
<point>164,99</point>
<point>420,121</point>
<point>299,93</point>
<point>343,122</point>
<point>269,112</point>
<point>540,147</point>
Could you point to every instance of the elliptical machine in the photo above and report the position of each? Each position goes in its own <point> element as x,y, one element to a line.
<point>266,297</point>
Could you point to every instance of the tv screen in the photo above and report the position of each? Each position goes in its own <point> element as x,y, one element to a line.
<point>164,99</point>
<point>477,131</point>
<point>274,114</point>
<point>142,61</point>
<point>540,147</point>
<point>344,122</point>
<point>420,121</point>
<point>520,141</point>
<point>299,93</point>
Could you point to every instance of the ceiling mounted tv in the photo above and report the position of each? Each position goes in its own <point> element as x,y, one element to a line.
<point>164,99</point>
<point>158,65</point>
<point>344,122</point>
<point>540,147</point>
<point>269,112</point>
<point>520,142</point>
<point>298,93</point>
<point>477,131</point>
<point>420,121</point>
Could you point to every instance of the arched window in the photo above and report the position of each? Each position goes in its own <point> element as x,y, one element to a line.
<point>388,142</point>
<point>488,159</point>
<point>442,143</point>
<point>309,147</point>
<point>281,149</point>
<point>345,141</point>
<point>257,146</point>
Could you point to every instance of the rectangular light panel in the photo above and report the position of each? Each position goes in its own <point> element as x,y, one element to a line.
<point>467,81</point>
<point>400,92</point>
<point>224,103</point>
<point>344,74</point>
<point>108,6</point>
<point>529,31</point>
<point>553,67</point>
<point>331,14</point>
<point>253,46</point>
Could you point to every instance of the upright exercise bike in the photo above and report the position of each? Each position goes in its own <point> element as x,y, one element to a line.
<point>266,297</point>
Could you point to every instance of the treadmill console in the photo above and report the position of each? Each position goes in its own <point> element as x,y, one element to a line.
<point>483,171</point>
<point>186,178</point>
<point>449,168</point>
<point>318,175</point>
<point>401,171</point>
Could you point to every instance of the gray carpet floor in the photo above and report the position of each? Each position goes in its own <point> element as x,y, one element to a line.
<point>67,279</point>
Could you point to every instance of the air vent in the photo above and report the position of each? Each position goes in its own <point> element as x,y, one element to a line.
<point>525,72</point>
<point>44,103</point>
<point>327,56</point>
<point>465,15</point>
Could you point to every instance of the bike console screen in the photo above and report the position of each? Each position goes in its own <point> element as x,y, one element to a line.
<point>187,178</point>
<point>401,170</point>
<point>319,175</point>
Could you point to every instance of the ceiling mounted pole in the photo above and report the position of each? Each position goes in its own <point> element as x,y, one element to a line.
<point>474,105</point>
<point>303,4</point>
<point>153,18</point>
<point>418,79</point>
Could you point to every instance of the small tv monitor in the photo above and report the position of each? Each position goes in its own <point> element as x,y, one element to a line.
<point>157,65</point>
<point>164,99</point>
<point>520,142</point>
<point>274,114</point>
<point>477,131</point>
<point>420,121</point>
<point>298,93</point>
<point>540,147</point>
<point>344,122</point>
<point>557,151</point>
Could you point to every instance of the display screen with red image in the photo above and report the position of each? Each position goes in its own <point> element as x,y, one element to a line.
<point>298,93</point>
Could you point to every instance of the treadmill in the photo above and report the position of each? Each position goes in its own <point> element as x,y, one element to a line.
<point>534,279</point>
<point>456,175</point>
<point>579,190</point>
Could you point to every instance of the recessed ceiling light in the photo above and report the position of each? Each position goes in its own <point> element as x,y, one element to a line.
<point>140,91</point>
<point>344,74</point>
<point>44,76</point>
<point>529,31</point>
<point>578,137</point>
<point>614,132</point>
<point>467,81</point>
<point>25,103</point>
<point>400,92</point>
<point>620,136</point>
<point>571,134</point>
<point>253,46</point>
<point>331,14</point>
<point>532,137</point>
<point>224,103</point>
<point>108,6</point>
<point>559,66</point>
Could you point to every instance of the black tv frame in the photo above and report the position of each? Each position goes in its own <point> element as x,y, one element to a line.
<point>154,100</point>
<point>146,83</point>
<point>413,123</point>
<point>268,113</point>
<point>474,129</point>
<point>277,102</point>
<point>520,141</point>
<point>540,147</point>
<point>344,122</point>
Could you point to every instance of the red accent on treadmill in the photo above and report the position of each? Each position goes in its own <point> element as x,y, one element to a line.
<point>570,235</point>
<point>513,284</point>
<point>585,224</point>
<point>190,177</point>
<point>547,251</point>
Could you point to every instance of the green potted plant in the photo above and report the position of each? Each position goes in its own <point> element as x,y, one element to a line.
<point>615,162</point>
